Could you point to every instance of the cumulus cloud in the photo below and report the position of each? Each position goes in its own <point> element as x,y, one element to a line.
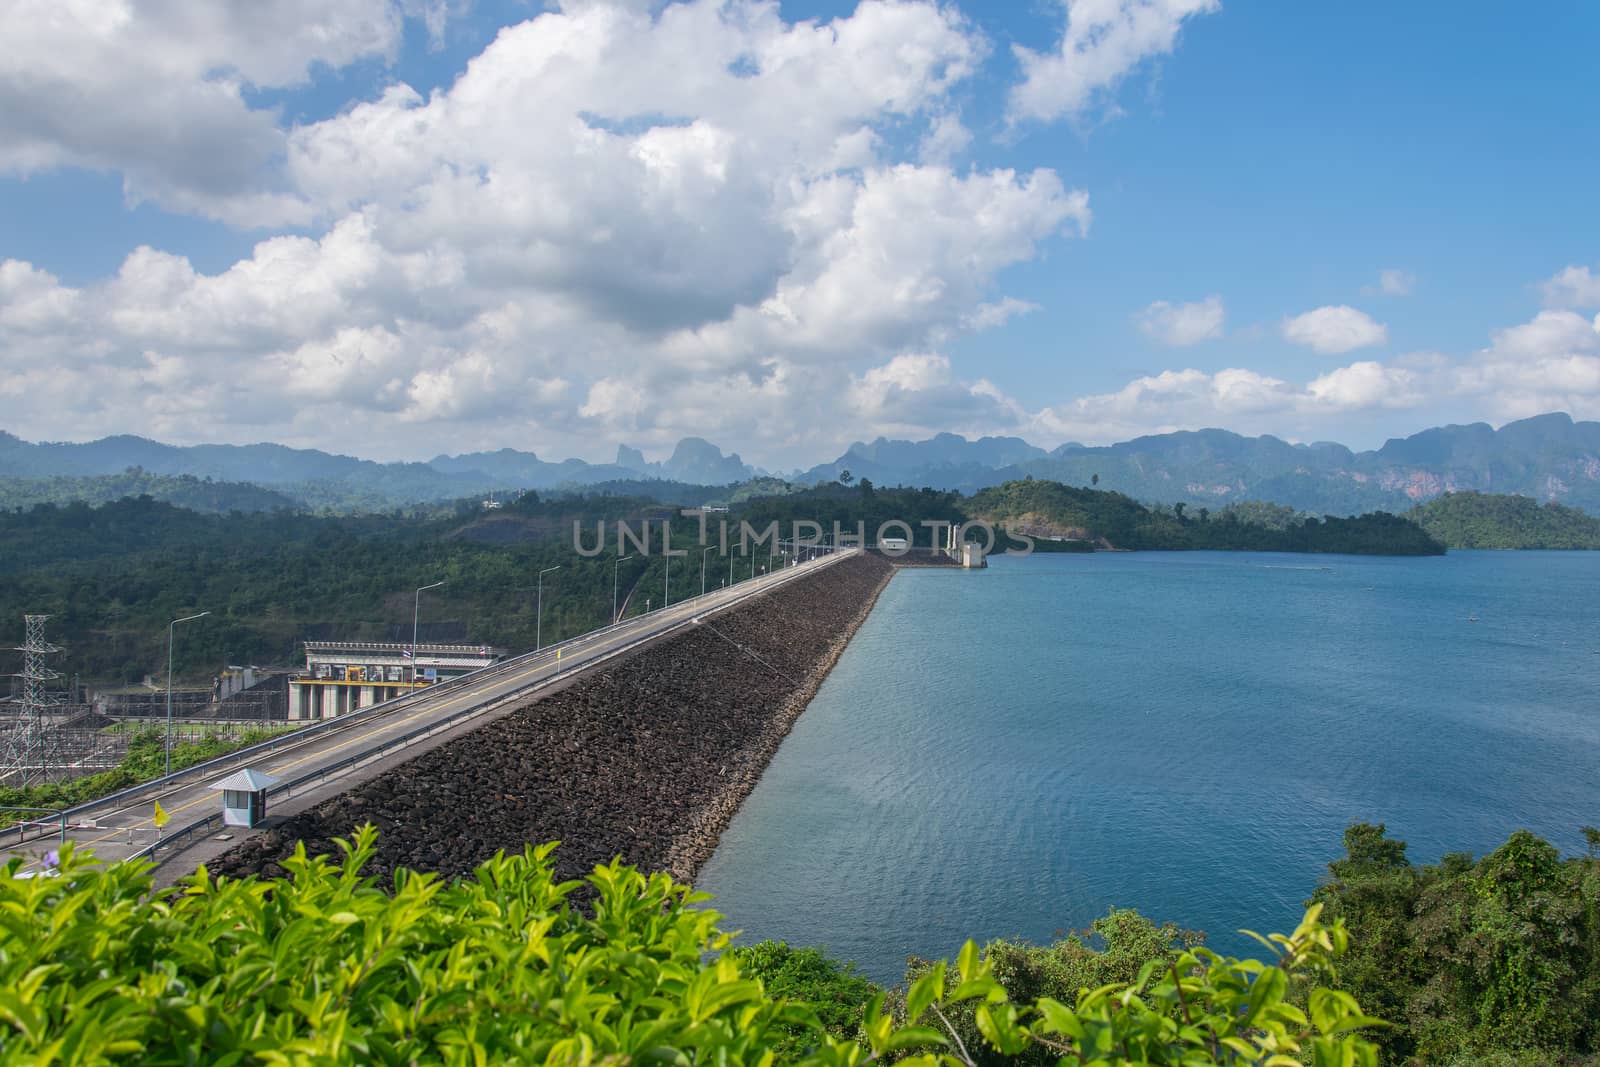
<point>159,91</point>
<point>1550,363</point>
<point>1367,384</point>
<point>1548,333</point>
<point>1101,42</point>
<point>946,138</point>
<point>614,218</point>
<point>1182,324</point>
<point>1334,329</point>
<point>1575,287</point>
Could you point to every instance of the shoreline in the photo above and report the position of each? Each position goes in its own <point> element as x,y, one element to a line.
<point>700,841</point>
<point>647,758</point>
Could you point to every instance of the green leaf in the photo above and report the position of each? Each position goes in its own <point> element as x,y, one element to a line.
<point>924,991</point>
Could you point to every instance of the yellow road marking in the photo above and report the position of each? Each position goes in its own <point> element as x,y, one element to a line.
<point>609,639</point>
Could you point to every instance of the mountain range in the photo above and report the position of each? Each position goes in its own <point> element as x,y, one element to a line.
<point>1548,457</point>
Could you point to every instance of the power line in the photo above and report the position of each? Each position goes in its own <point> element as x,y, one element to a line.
<point>746,651</point>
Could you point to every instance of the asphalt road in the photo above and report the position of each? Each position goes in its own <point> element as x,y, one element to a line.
<point>123,827</point>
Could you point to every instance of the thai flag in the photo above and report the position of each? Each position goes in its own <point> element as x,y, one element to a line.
<point>406,652</point>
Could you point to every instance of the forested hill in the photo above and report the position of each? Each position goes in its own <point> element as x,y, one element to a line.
<point>1485,520</point>
<point>184,490</point>
<point>1116,521</point>
<point>114,576</point>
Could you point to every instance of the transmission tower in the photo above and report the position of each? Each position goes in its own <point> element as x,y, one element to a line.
<point>30,742</point>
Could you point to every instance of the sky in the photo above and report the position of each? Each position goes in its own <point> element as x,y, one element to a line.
<point>399,228</point>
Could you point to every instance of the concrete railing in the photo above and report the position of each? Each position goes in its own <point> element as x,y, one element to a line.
<point>352,720</point>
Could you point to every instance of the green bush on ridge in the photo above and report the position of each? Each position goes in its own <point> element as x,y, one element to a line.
<point>323,967</point>
<point>1493,961</point>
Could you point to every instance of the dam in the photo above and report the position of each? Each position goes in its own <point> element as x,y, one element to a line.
<point>178,820</point>
<point>646,756</point>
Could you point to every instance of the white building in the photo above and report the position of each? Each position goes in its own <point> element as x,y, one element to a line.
<point>341,676</point>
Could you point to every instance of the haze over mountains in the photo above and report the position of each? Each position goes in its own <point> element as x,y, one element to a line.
<point>1549,457</point>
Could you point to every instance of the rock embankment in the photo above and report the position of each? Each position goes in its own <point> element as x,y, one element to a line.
<point>647,758</point>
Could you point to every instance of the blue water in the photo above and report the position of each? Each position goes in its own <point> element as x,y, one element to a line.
<point>1011,752</point>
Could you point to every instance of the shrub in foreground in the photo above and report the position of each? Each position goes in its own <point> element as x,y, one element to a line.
<point>323,967</point>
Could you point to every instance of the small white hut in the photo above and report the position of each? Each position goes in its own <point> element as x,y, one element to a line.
<point>244,796</point>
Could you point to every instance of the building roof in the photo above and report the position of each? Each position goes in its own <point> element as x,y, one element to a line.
<point>397,646</point>
<point>247,780</point>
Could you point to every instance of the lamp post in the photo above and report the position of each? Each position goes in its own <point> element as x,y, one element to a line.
<point>538,620</point>
<point>620,560</point>
<point>703,552</point>
<point>416,608</point>
<point>730,568</point>
<point>170,628</point>
<point>666,590</point>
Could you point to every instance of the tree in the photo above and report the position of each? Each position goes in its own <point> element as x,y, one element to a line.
<point>1472,959</point>
<point>845,477</point>
<point>1094,479</point>
<point>506,966</point>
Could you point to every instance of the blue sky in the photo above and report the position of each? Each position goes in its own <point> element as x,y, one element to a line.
<point>308,225</point>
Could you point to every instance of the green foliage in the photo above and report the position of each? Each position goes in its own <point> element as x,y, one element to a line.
<point>1495,957</point>
<point>113,577</point>
<point>1486,520</point>
<point>834,991</point>
<point>182,490</point>
<point>1116,950</point>
<point>864,505</point>
<point>1121,522</point>
<point>144,760</point>
<point>323,967</point>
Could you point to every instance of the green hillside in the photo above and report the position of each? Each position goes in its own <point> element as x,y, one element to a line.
<point>1117,521</point>
<point>1486,520</point>
<point>183,490</point>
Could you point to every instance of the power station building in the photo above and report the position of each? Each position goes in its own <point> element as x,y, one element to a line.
<point>343,676</point>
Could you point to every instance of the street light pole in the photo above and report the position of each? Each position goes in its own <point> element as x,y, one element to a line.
<point>416,608</point>
<point>620,560</point>
<point>170,628</point>
<point>666,590</point>
<point>538,621</point>
<point>703,552</point>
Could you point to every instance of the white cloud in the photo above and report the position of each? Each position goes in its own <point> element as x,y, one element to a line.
<point>914,391</point>
<point>158,91</point>
<point>946,138</point>
<point>32,300</point>
<point>1549,333</point>
<point>1575,287</point>
<point>1551,363</point>
<point>1367,384</point>
<point>614,218</point>
<point>1334,329</point>
<point>1101,42</point>
<point>1182,324</point>
<point>1393,282</point>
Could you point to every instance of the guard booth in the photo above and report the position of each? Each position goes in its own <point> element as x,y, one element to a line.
<point>244,796</point>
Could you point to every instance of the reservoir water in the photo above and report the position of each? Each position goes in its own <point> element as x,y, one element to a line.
<point>1011,752</point>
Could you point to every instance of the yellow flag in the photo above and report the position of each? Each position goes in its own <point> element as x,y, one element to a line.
<point>161,817</point>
